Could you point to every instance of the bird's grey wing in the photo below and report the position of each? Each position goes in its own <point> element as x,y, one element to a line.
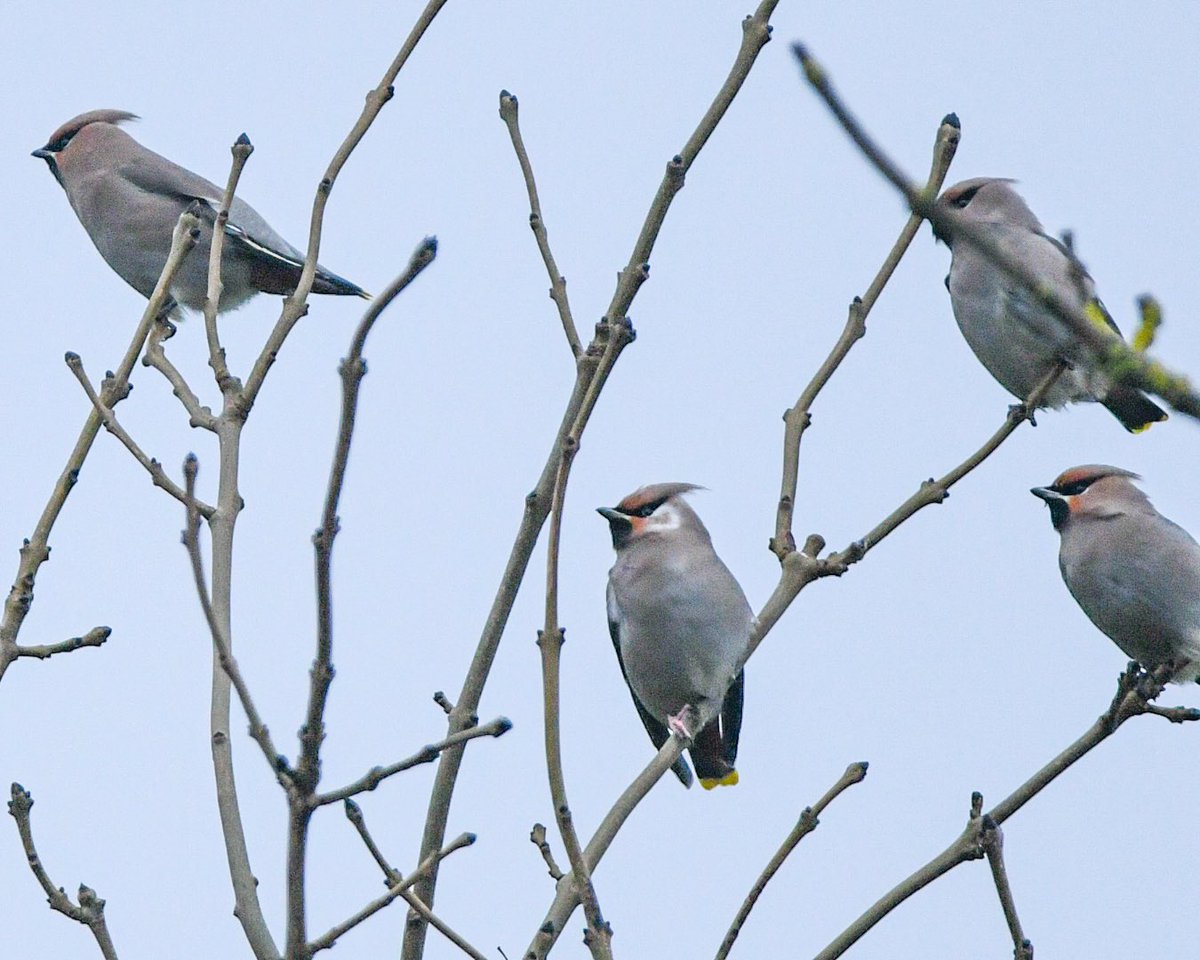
<point>731,717</point>
<point>655,727</point>
<point>158,175</point>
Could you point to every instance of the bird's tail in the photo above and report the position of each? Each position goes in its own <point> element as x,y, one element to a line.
<point>1134,409</point>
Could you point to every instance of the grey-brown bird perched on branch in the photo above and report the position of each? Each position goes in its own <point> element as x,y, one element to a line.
<point>1016,336</point>
<point>129,199</point>
<point>679,623</point>
<point>1134,572</point>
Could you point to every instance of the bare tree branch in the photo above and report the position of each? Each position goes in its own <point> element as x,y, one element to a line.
<point>558,283</point>
<point>198,414</point>
<point>1120,361</point>
<point>1134,691</point>
<point>158,475</point>
<point>427,754</point>
<point>296,306</point>
<point>808,822</point>
<point>93,638</point>
<point>90,911</point>
<point>798,418</point>
<point>330,937</point>
<point>228,384</point>
<point>537,836</point>
<point>598,936</point>
<point>613,333</point>
<point>991,838</point>
<point>392,878</point>
<point>36,550</point>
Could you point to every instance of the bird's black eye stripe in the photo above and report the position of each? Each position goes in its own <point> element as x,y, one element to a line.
<point>965,197</point>
<point>1072,489</point>
<point>645,509</point>
<point>60,144</point>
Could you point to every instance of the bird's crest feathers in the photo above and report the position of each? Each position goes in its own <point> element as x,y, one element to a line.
<point>60,137</point>
<point>654,493</point>
<point>1077,479</point>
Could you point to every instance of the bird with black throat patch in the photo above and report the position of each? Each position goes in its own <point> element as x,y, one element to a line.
<point>129,199</point>
<point>1012,332</point>
<point>1135,573</point>
<point>680,624</point>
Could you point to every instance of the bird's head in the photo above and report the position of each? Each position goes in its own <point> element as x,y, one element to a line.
<point>657,510</point>
<point>61,137</point>
<point>1090,491</point>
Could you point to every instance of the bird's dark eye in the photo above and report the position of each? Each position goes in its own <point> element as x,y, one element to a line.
<point>645,509</point>
<point>965,197</point>
<point>1072,489</point>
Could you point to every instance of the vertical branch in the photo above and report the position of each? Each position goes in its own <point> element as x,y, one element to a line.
<point>302,801</point>
<point>991,838</point>
<point>241,150</point>
<point>550,640</point>
<point>613,333</point>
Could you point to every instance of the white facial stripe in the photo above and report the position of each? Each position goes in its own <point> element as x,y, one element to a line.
<point>664,519</point>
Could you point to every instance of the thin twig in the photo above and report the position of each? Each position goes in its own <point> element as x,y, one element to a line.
<point>198,414</point>
<point>802,567</point>
<point>308,768</point>
<point>35,551</point>
<point>427,754</point>
<point>296,305</point>
<point>93,638</point>
<point>991,838</point>
<point>191,542</point>
<point>158,475</point>
<point>226,382</point>
<point>1120,361</point>
<point>537,836</point>
<point>330,937</point>
<point>1134,691</point>
<point>90,911</point>
<point>558,283</point>
<point>808,822</point>
<point>798,418</point>
<point>598,936</point>
<point>613,333</point>
<point>392,877</point>
<point>352,370</point>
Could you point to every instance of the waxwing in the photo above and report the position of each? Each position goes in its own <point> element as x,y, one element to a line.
<point>679,623</point>
<point>1015,336</point>
<point>129,198</point>
<point>1134,572</point>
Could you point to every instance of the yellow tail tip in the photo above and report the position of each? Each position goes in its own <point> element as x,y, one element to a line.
<point>729,780</point>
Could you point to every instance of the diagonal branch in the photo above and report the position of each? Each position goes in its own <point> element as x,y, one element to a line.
<point>296,306</point>
<point>1120,361</point>
<point>798,418</point>
<point>93,638</point>
<point>808,822</point>
<point>1135,690</point>
<point>158,475</point>
<point>558,283</point>
<point>36,550</point>
<point>90,911</point>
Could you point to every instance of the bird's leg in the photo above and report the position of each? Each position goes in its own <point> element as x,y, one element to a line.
<point>680,723</point>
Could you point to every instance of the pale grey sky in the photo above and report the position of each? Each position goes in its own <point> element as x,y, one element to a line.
<point>952,658</point>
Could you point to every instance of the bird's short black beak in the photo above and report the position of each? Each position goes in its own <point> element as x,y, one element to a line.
<point>1060,510</point>
<point>43,153</point>
<point>619,525</point>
